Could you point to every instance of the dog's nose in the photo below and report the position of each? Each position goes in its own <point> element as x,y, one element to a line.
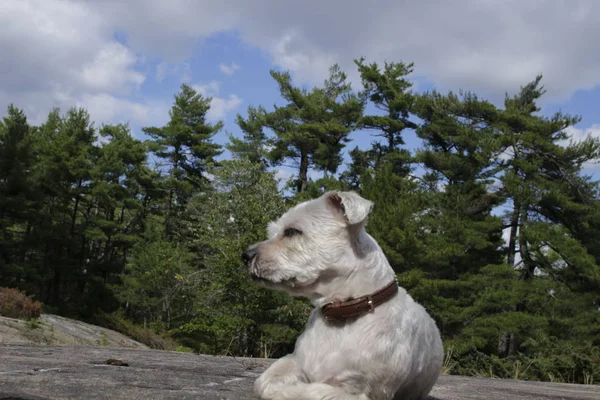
<point>248,255</point>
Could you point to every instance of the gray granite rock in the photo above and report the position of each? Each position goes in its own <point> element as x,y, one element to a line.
<point>31,372</point>
<point>56,330</point>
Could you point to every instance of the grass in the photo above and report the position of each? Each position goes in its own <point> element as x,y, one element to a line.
<point>449,364</point>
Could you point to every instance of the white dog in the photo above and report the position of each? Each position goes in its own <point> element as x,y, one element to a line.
<point>366,339</point>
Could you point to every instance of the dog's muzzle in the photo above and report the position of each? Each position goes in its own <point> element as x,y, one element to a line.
<point>249,258</point>
<point>249,255</point>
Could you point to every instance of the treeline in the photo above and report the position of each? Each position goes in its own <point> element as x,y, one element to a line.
<point>491,223</point>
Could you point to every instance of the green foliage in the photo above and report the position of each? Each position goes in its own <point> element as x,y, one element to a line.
<point>542,176</point>
<point>186,148</point>
<point>148,336</point>
<point>17,196</point>
<point>313,127</point>
<point>388,91</point>
<point>254,145</point>
<point>235,315</point>
<point>396,218</point>
<point>32,324</point>
<point>158,284</point>
<point>562,362</point>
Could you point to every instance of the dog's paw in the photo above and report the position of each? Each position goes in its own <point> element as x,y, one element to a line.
<point>308,391</point>
<point>282,373</point>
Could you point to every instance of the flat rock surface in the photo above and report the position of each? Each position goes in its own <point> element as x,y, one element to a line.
<point>85,372</point>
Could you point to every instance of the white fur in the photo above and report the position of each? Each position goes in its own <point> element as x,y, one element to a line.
<point>394,352</point>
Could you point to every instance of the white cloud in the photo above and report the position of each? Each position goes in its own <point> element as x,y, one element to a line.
<point>168,29</point>
<point>219,106</point>
<point>575,135</point>
<point>162,70</point>
<point>488,46</point>
<point>183,70</point>
<point>208,89</point>
<point>111,70</point>
<point>578,134</point>
<point>104,107</point>
<point>55,52</point>
<point>283,175</point>
<point>228,69</point>
<point>59,53</point>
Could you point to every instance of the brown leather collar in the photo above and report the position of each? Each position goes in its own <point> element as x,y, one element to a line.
<point>340,311</point>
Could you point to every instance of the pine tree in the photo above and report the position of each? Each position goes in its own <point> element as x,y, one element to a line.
<point>389,91</point>
<point>455,234</point>
<point>185,144</point>
<point>542,181</point>
<point>65,154</point>
<point>313,127</point>
<point>16,199</point>
<point>362,164</point>
<point>115,214</point>
<point>396,218</point>
<point>158,287</point>
<point>255,143</point>
<point>82,220</point>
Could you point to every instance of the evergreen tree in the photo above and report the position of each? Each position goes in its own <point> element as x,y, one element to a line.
<point>395,221</point>
<point>185,144</point>
<point>541,176</point>
<point>313,126</point>
<point>255,143</point>
<point>389,92</point>
<point>16,199</point>
<point>159,285</point>
<point>63,174</point>
<point>115,211</point>
<point>454,235</point>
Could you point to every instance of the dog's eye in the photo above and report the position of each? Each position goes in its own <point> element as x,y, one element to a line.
<point>289,232</point>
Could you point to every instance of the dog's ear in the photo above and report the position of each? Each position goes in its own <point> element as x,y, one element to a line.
<point>352,206</point>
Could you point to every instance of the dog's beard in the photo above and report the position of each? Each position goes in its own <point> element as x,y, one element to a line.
<point>270,281</point>
<point>274,281</point>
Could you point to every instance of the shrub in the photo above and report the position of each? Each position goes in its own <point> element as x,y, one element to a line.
<point>565,362</point>
<point>117,322</point>
<point>33,324</point>
<point>16,304</point>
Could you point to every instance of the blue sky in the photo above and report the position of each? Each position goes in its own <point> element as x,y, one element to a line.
<point>124,61</point>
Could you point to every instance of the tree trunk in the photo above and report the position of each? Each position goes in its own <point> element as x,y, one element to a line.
<point>303,176</point>
<point>528,265</point>
<point>391,144</point>
<point>507,341</point>
<point>172,194</point>
<point>512,240</point>
<point>514,341</point>
<point>75,209</point>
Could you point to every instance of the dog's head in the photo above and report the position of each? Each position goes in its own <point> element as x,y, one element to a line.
<point>313,241</point>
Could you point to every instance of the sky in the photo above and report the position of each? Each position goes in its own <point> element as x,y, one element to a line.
<point>124,60</point>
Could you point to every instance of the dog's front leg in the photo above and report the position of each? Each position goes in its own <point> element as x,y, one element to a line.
<point>281,374</point>
<point>317,391</point>
<point>283,380</point>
